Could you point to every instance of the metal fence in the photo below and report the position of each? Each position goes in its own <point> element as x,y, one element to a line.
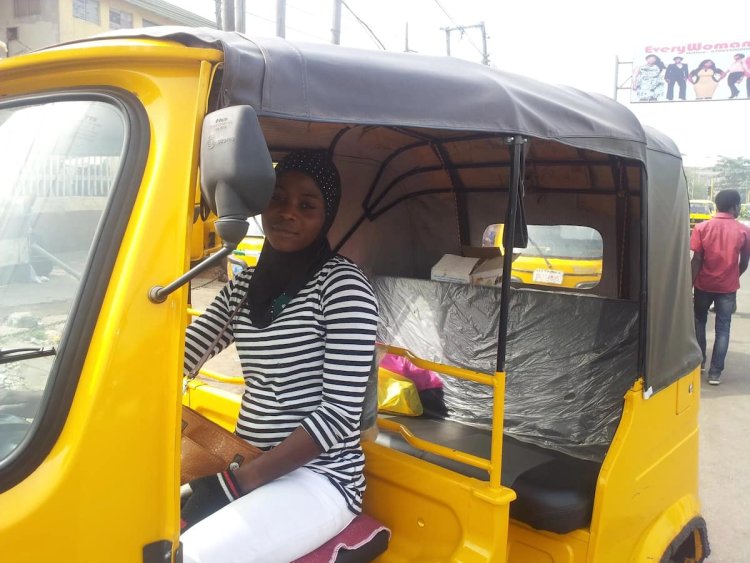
<point>57,176</point>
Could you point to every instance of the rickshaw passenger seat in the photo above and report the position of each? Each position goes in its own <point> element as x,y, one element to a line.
<point>557,496</point>
<point>555,491</point>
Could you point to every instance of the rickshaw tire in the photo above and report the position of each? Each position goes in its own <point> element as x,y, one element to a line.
<point>690,545</point>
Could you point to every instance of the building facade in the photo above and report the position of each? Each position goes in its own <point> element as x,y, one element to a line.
<point>27,25</point>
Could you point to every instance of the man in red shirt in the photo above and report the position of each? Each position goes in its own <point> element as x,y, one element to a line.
<point>721,251</point>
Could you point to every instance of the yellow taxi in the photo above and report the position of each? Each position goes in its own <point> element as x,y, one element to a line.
<point>701,210</point>
<point>557,255</point>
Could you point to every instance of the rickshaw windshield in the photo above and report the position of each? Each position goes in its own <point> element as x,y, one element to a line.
<point>58,163</point>
<point>701,208</point>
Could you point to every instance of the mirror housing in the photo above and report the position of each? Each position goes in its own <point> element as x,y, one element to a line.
<point>237,175</point>
<point>237,180</point>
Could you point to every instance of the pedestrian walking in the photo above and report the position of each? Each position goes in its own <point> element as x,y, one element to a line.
<point>721,251</point>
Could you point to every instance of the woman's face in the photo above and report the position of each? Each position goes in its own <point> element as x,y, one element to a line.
<point>651,60</point>
<point>708,64</point>
<point>296,214</point>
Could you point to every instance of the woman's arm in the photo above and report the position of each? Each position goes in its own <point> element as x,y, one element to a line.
<point>204,330</point>
<point>351,318</point>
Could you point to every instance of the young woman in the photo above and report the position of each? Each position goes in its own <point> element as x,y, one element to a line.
<point>735,73</point>
<point>305,335</point>
<point>704,79</point>
<point>648,82</point>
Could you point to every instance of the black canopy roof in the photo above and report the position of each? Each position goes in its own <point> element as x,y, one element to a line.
<point>336,85</point>
<point>328,83</point>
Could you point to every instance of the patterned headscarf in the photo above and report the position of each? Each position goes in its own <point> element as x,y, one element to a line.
<point>279,276</point>
<point>319,166</point>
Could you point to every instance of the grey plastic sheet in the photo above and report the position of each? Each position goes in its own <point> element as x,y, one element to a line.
<point>570,357</point>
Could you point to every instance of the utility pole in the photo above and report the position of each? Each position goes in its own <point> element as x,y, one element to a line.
<point>406,40</point>
<point>239,7</point>
<point>485,54</point>
<point>228,15</point>
<point>280,18</point>
<point>462,30</point>
<point>624,83</point>
<point>218,14</point>
<point>336,27</point>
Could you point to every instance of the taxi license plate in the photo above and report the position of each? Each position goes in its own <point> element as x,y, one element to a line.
<point>548,276</point>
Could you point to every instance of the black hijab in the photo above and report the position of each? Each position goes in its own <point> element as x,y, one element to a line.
<point>279,276</point>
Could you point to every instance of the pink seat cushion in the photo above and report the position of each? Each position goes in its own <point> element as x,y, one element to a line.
<point>356,536</point>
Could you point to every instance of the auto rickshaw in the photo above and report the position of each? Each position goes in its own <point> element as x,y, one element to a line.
<point>571,432</point>
<point>701,210</point>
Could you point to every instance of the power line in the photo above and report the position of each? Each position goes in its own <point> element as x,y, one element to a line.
<point>461,28</point>
<point>269,20</point>
<point>365,26</point>
<point>306,12</point>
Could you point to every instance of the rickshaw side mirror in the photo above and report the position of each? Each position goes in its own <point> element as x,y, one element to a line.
<point>237,180</point>
<point>237,175</point>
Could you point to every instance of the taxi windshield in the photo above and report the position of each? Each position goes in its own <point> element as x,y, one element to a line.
<point>563,241</point>
<point>702,208</point>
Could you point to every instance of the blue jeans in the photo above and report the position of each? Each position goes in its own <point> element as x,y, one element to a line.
<point>724,305</point>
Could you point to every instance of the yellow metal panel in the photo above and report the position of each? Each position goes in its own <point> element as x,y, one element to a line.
<point>120,441</point>
<point>526,545</point>
<point>651,465</point>
<point>435,514</point>
<point>687,389</point>
<point>221,406</point>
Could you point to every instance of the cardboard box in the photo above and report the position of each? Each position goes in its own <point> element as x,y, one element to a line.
<point>478,265</point>
<point>453,268</point>
<point>488,272</point>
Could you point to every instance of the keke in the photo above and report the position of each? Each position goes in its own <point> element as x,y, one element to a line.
<point>701,210</point>
<point>572,429</point>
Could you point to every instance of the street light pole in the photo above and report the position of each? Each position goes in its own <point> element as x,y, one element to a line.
<point>228,15</point>
<point>336,27</point>
<point>281,18</point>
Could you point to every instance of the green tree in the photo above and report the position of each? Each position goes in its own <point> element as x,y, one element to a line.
<point>697,182</point>
<point>733,173</point>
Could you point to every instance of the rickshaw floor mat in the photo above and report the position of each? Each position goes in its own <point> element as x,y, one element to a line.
<point>555,491</point>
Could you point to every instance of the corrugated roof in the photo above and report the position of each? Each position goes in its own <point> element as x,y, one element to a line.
<point>176,14</point>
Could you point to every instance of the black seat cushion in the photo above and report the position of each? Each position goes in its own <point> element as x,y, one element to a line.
<point>557,496</point>
<point>555,492</point>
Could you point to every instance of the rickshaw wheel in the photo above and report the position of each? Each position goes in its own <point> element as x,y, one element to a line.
<point>690,545</point>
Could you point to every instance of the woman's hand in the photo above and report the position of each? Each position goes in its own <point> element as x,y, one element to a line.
<point>209,495</point>
<point>296,450</point>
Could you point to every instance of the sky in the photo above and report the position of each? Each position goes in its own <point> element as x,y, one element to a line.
<point>574,43</point>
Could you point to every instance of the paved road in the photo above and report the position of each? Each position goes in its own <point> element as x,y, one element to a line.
<point>725,447</point>
<point>725,425</point>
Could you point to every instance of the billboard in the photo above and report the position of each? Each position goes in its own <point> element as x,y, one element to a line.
<point>694,71</point>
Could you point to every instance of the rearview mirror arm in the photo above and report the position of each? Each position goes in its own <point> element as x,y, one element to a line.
<point>159,294</point>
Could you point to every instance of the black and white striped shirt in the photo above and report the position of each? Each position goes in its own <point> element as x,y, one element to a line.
<point>309,367</point>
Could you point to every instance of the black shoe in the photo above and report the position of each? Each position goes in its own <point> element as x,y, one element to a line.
<point>714,378</point>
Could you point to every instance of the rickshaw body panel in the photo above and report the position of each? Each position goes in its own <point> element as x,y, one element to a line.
<point>118,450</point>
<point>649,481</point>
